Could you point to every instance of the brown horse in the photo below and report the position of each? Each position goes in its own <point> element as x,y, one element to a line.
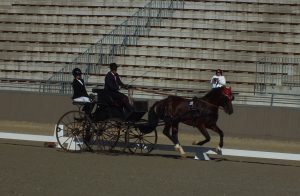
<point>202,113</point>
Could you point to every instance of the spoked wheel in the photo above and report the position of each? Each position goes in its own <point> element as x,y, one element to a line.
<point>106,135</point>
<point>73,131</point>
<point>121,144</point>
<point>140,143</point>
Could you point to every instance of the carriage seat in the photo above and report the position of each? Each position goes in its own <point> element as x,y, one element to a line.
<point>97,90</point>
<point>104,98</point>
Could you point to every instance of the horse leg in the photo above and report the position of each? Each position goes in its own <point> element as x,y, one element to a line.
<point>173,137</point>
<point>166,132</point>
<point>216,129</point>
<point>178,147</point>
<point>204,132</point>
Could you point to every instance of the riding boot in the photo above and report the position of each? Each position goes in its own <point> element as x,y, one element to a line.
<point>88,108</point>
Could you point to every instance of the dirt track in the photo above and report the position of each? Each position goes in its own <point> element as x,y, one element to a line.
<point>28,168</point>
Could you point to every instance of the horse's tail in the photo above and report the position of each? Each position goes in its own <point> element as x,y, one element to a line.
<point>153,120</point>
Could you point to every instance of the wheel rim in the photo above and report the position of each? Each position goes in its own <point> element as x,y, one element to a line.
<point>71,131</point>
<point>140,143</point>
<point>106,135</point>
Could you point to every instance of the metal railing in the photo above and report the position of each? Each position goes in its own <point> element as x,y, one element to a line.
<point>114,43</point>
<point>278,71</point>
<point>268,99</point>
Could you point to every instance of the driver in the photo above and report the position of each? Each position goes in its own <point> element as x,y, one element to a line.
<point>113,84</point>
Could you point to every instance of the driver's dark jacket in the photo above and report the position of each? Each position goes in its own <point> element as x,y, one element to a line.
<point>113,82</point>
<point>78,89</point>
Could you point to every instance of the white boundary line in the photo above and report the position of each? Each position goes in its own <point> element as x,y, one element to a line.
<point>201,152</point>
<point>27,137</point>
<point>259,154</point>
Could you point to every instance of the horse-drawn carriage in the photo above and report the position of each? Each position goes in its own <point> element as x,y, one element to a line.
<point>107,127</point>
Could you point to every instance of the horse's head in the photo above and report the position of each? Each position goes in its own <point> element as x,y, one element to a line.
<point>221,97</point>
<point>226,99</point>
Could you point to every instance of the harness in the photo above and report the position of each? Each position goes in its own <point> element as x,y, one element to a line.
<point>213,105</point>
<point>194,111</point>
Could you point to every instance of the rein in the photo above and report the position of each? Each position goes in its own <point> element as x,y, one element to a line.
<point>153,91</point>
<point>216,106</point>
<point>166,94</point>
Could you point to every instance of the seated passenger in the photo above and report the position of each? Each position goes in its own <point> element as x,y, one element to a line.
<point>113,84</point>
<point>218,80</point>
<point>79,91</point>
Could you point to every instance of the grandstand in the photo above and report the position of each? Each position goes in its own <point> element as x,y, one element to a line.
<point>164,46</point>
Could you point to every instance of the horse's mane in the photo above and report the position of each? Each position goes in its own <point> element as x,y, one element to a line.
<point>213,93</point>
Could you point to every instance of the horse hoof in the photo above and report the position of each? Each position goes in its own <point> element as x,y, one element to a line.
<point>219,150</point>
<point>195,142</point>
<point>177,147</point>
<point>183,156</point>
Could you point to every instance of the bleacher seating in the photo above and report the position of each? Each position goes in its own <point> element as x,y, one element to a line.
<point>38,38</point>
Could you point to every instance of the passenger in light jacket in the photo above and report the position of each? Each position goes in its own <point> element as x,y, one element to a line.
<point>218,80</point>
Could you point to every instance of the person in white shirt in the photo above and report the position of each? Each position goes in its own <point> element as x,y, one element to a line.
<point>218,80</point>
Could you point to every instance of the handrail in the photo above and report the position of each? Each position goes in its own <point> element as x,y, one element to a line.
<point>289,69</point>
<point>155,92</point>
<point>112,44</point>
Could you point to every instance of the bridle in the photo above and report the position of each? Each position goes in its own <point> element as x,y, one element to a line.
<point>227,93</point>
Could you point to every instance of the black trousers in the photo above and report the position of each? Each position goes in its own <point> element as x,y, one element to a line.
<point>121,99</point>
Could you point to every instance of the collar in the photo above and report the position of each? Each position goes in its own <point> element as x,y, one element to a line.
<point>80,81</point>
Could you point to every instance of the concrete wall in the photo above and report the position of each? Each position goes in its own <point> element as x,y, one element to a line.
<point>23,106</point>
<point>246,121</point>
<point>262,122</point>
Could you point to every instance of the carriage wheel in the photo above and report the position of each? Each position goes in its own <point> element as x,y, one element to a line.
<point>106,135</point>
<point>120,144</point>
<point>73,131</point>
<point>140,143</point>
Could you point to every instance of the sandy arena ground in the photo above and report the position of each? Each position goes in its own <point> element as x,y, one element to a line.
<point>30,169</point>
